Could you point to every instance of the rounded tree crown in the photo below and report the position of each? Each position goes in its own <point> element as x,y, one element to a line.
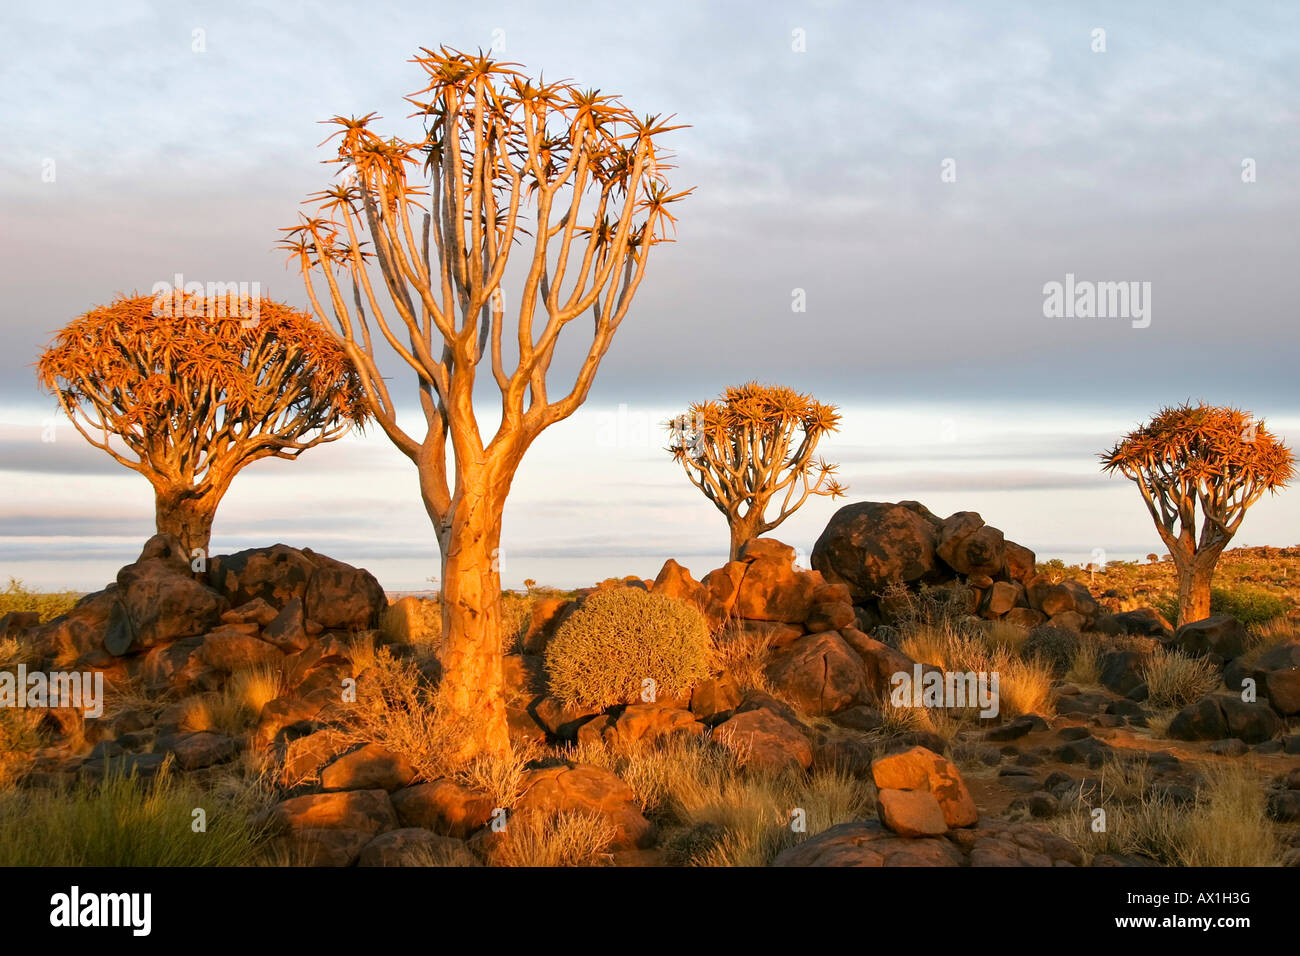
<point>1204,445</point>
<point>146,361</point>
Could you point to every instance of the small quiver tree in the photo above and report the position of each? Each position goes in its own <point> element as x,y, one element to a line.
<point>1199,468</point>
<point>754,445</point>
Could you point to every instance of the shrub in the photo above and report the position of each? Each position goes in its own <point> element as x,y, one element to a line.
<point>570,838</point>
<point>1175,680</point>
<point>1055,646</point>
<point>1248,605</point>
<point>618,638</point>
<point>125,822</point>
<point>15,597</point>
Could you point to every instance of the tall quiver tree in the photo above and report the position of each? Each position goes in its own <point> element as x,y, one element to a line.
<point>754,445</point>
<point>188,389</point>
<point>570,181</point>
<point>1200,463</point>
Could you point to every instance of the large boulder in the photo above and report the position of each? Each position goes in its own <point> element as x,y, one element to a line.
<point>971,547</point>
<point>1201,720</point>
<point>872,544</point>
<point>921,769</point>
<point>1142,621</point>
<point>1277,674</point>
<point>80,631</point>
<point>158,600</point>
<point>586,789</point>
<point>869,843</point>
<point>772,590</point>
<point>911,813</point>
<point>820,673</point>
<point>764,740</point>
<point>443,806</point>
<point>275,574</point>
<point>341,596</point>
<point>1221,634</point>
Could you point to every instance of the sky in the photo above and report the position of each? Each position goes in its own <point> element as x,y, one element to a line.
<point>915,175</point>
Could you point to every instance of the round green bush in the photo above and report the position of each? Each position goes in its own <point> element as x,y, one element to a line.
<point>620,636</point>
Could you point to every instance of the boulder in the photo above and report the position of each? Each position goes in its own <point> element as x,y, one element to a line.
<point>1221,634</point>
<point>922,769</point>
<point>175,666</point>
<point>830,617</point>
<point>869,843</point>
<point>1025,617</point>
<point>158,600</point>
<point>1121,671</point>
<point>586,789</point>
<point>1277,675</point>
<point>714,699</point>
<point>820,673</point>
<point>443,806</point>
<point>765,741</point>
<point>772,590</point>
<point>1000,598</point>
<point>969,546</point>
<point>1020,562</point>
<point>237,647</point>
<point>650,722</point>
<point>368,767</point>
<point>1201,720</point>
<point>722,587</point>
<point>911,813</point>
<point>675,581</point>
<point>341,596</point>
<point>872,544</point>
<point>204,749</point>
<point>276,574</point>
<point>287,630</point>
<point>303,757</point>
<point>256,611</point>
<point>16,623</point>
<point>1143,621</point>
<point>365,811</point>
<point>880,661</point>
<point>1250,721</point>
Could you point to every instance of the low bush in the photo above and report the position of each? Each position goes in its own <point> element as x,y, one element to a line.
<point>618,638</point>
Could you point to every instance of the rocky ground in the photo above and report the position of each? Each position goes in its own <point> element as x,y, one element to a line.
<point>285,674</point>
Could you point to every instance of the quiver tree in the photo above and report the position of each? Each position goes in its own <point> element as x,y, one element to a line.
<point>754,445</point>
<point>189,389</point>
<point>1206,464</point>
<point>570,182</point>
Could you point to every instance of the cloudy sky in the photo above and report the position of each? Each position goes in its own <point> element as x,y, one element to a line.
<point>920,172</point>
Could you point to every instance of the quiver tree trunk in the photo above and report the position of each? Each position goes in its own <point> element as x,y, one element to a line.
<point>471,624</point>
<point>186,515</point>
<point>743,530</point>
<point>1194,575</point>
